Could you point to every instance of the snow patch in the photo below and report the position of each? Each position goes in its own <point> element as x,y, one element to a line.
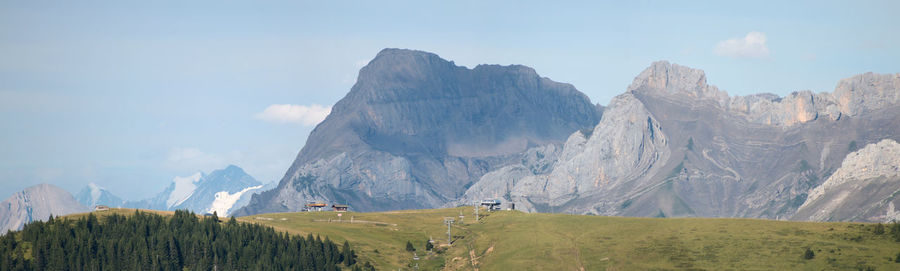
<point>96,191</point>
<point>184,189</point>
<point>224,201</point>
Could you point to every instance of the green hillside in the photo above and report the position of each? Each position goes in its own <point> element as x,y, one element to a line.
<point>510,240</point>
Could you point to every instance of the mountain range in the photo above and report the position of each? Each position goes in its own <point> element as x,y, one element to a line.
<point>222,191</point>
<point>417,131</point>
<point>672,145</point>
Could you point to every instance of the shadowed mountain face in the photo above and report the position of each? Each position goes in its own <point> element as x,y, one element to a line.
<point>416,131</point>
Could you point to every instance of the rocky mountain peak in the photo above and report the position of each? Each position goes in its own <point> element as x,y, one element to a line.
<point>93,194</point>
<point>414,102</point>
<point>664,78</point>
<point>231,171</point>
<point>36,203</point>
<point>398,67</point>
<point>416,129</point>
<point>867,92</point>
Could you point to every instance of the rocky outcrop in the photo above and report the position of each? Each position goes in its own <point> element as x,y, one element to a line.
<point>867,93</point>
<point>625,148</point>
<point>416,130</point>
<point>852,97</point>
<point>500,183</point>
<point>864,188</point>
<point>36,203</point>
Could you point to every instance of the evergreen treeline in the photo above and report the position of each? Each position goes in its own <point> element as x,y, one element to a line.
<point>146,241</point>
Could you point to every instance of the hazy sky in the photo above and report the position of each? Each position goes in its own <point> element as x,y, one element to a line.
<point>130,95</point>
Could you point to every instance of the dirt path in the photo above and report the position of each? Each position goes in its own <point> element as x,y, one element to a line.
<point>737,177</point>
<point>354,221</point>
<point>577,252</point>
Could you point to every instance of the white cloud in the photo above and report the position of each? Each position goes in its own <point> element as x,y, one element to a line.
<point>292,113</point>
<point>751,46</point>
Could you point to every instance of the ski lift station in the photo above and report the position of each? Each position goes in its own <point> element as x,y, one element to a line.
<point>491,204</point>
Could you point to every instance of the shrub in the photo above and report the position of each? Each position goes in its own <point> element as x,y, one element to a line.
<point>809,254</point>
<point>895,231</point>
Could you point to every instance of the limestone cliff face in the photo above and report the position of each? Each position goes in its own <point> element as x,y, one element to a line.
<point>759,155</point>
<point>664,78</point>
<point>612,160</point>
<point>700,152</point>
<point>866,93</point>
<point>853,96</point>
<point>36,203</point>
<point>864,188</point>
<point>416,130</point>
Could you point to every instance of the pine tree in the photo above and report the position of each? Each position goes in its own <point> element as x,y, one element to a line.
<point>352,258</point>
<point>153,242</point>
<point>346,257</point>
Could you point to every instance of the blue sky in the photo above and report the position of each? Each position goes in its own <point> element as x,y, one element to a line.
<point>129,95</point>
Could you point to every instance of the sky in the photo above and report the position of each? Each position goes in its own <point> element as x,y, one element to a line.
<point>130,94</point>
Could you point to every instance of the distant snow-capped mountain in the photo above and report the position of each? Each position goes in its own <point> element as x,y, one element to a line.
<point>221,191</point>
<point>93,195</point>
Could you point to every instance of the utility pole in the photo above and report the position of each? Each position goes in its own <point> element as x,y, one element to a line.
<point>476,211</point>
<point>449,221</point>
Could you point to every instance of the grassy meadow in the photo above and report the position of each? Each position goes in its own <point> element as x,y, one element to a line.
<point>512,240</point>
